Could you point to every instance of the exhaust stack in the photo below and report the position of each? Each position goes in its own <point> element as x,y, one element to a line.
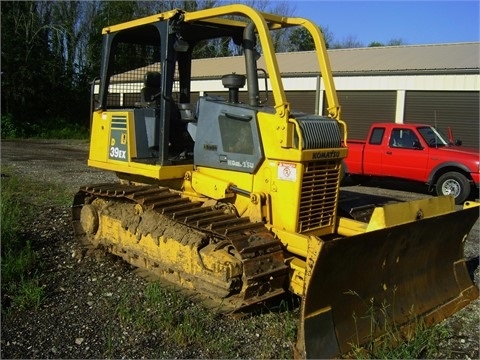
<point>251,57</point>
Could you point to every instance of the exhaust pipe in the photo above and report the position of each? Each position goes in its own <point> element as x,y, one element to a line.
<point>251,54</point>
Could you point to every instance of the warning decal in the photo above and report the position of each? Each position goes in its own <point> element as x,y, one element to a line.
<point>287,171</point>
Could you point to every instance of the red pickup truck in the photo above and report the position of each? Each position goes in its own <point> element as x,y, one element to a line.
<point>415,152</point>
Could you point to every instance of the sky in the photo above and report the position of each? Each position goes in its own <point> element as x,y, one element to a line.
<point>414,22</point>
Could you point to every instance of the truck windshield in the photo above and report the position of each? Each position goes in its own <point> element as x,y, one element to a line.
<point>432,136</point>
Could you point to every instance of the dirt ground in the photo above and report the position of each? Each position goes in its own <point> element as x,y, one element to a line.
<point>64,162</point>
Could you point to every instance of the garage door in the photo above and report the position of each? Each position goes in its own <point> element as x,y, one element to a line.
<point>458,110</point>
<point>303,101</point>
<point>360,109</point>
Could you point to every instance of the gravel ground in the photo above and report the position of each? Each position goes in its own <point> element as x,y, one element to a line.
<point>76,319</point>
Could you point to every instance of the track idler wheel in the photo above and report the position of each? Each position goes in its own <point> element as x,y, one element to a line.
<point>89,219</point>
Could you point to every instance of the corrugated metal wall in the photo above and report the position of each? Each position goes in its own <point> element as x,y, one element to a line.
<point>458,110</point>
<point>360,109</point>
<point>303,101</point>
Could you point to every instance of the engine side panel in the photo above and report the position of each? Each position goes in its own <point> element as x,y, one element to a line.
<point>227,137</point>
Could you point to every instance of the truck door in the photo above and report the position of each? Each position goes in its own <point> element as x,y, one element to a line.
<point>372,154</point>
<point>404,157</point>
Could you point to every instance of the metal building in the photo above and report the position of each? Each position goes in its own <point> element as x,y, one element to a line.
<point>433,84</point>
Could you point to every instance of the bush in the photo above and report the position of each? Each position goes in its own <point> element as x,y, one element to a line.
<point>61,129</point>
<point>9,129</point>
<point>55,128</point>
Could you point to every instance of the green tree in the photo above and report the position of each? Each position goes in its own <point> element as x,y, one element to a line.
<point>396,42</point>
<point>280,37</point>
<point>300,40</point>
<point>43,63</point>
<point>348,42</point>
<point>392,42</point>
<point>26,63</point>
<point>51,50</point>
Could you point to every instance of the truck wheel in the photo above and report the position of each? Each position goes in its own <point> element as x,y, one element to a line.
<point>454,183</point>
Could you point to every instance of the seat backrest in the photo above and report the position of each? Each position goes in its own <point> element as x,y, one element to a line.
<point>151,86</point>
<point>187,113</point>
<point>410,139</point>
<point>395,140</point>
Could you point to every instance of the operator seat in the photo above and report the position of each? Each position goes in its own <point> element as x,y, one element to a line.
<point>181,143</point>
<point>151,89</point>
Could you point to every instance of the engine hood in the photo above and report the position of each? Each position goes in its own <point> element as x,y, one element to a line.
<point>460,150</point>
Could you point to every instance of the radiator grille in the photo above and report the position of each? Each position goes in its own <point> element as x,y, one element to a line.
<point>319,195</point>
<point>320,132</point>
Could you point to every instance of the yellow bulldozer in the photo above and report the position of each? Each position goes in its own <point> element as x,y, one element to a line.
<point>236,197</point>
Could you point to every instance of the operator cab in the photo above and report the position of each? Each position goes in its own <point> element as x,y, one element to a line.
<point>147,70</point>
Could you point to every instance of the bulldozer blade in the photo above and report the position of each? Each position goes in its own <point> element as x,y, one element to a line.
<point>359,287</point>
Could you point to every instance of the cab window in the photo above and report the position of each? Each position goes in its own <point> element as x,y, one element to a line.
<point>403,138</point>
<point>377,136</point>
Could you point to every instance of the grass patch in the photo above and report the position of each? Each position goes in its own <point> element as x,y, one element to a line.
<point>20,199</point>
<point>19,261</point>
<point>175,319</point>
<point>51,195</point>
<point>394,345</point>
<point>22,195</point>
<point>418,342</point>
<point>180,321</point>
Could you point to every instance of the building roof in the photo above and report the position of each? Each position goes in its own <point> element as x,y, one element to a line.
<point>438,59</point>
